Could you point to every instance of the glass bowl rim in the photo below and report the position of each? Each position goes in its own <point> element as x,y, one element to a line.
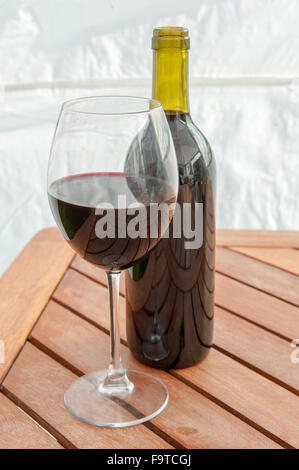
<point>152,105</point>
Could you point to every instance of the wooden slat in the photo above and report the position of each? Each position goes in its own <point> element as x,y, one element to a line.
<point>96,273</point>
<point>256,346</point>
<point>283,258</point>
<point>18,431</point>
<point>262,238</point>
<point>257,274</point>
<point>88,298</point>
<point>200,423</point>
<point>260,400</point>
<point>40,382</point>
<point>257,306</point>
<point>26,287</point>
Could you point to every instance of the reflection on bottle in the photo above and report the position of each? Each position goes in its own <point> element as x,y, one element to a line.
<point>154,345</point>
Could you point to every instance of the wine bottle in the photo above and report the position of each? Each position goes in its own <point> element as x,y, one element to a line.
<point>170,292</point>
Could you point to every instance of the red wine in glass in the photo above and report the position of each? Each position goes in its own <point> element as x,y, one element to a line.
<point>74,201</point>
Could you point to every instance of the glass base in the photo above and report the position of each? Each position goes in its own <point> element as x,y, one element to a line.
<point>87,400</point>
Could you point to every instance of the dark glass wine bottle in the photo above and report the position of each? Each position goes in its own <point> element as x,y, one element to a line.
<point>170,292</point>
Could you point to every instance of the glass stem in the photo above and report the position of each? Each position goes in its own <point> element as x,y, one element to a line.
<point>116,380</point>
<point>115,367</point>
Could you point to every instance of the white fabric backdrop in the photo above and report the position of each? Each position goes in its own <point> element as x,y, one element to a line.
<point>244,96</point>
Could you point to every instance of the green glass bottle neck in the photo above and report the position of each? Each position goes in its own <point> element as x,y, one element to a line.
<point>170,79</point>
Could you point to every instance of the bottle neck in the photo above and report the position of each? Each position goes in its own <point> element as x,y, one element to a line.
<point>170,79</point>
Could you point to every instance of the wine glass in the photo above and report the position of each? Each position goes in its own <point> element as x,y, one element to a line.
<point>112,166</point>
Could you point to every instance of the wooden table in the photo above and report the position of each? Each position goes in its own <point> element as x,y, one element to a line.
<point>54,326</point>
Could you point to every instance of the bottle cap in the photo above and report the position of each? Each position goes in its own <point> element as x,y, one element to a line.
<point>171,36</point>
